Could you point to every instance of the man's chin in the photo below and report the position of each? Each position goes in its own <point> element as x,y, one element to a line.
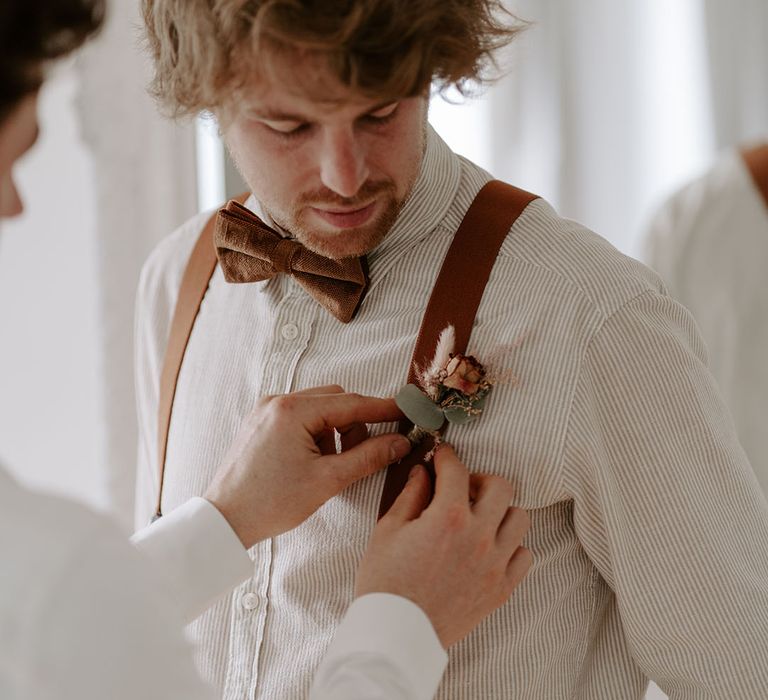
<point>352,242</point>
<point>337,242</point>
<point>348,243</point>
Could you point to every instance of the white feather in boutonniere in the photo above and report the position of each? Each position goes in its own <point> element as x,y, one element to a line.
<point>454,387</point>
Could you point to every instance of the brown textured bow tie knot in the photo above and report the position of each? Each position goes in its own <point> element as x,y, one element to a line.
<point>250,251</point>
<point>282,255</point>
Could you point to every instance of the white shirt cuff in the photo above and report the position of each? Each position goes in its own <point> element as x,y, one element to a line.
<point>196,553</point>
<point>394,630</point>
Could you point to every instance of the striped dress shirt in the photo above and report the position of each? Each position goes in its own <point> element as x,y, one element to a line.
<point>649,532</point>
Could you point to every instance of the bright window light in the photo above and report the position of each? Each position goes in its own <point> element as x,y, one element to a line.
<point>679,134</point>
<point>463,126</point>
<point>210,164</point>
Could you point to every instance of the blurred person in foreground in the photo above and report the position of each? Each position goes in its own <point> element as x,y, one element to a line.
<point>84,615</point>
<point>709,241</point>
<point>649,530</point>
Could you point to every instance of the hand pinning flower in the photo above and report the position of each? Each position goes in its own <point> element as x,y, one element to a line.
<point>453,387</point>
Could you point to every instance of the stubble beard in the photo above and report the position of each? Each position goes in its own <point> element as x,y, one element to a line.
<point>348,242</point>
<point>354,242</point>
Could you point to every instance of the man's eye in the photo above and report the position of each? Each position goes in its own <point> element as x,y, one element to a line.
<point>383,115</point>
<point>287,129</point>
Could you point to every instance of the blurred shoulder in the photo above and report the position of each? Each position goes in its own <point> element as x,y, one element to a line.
<point>715,225</point>
<point>43,534</point>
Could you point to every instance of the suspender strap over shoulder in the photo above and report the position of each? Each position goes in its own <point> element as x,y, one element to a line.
<point>756,160</point>
<point>456,297</point>
<point>194,284</point>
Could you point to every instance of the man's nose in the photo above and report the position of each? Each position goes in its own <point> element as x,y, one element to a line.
<point>10,202</point>
<point>343,166</point>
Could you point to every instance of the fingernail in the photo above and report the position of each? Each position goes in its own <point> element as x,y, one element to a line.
<point>414,471</point>
<point>398,448</point>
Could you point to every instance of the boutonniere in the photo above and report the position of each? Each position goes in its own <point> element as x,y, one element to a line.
<point>453,388</point>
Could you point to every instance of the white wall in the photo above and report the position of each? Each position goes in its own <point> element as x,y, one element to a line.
<point>602,109</point>
<point>50,432</point>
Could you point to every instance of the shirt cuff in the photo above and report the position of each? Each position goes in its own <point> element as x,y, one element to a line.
<point>399,632</point>
<point>197,553</point>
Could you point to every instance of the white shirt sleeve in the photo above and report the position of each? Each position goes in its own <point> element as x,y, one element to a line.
<point>667,507</point>
<point>102,629</point>
<point>195,554</point>
<point>384,649</point>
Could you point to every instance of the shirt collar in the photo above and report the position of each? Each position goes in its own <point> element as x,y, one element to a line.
<point>428,203</point>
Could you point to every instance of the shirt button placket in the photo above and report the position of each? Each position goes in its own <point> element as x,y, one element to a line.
<point>249,613</point>
<point>249,601</point>
<point>289,331</point>
<point>290,336</point>
<point>260,606</point>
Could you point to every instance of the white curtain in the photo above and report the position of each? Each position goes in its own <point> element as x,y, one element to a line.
<point>145,187</point>
<point>607,105</point>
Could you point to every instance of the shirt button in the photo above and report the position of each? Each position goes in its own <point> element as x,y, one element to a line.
<point>250,601</point>
<point>290,331</point>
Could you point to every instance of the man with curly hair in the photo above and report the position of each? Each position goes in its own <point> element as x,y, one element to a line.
<point>649,533</point>
<point>82,614</point>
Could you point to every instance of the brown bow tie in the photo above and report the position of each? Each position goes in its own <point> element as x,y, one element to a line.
<point>250,251</point>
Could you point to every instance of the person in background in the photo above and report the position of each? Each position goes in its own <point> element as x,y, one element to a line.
<point>85,615</point>
<point>709,241</point>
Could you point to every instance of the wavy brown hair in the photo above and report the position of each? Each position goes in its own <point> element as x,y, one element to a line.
<point>33,32</point>
<point>206,50</point>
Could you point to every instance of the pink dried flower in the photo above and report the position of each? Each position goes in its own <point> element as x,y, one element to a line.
<point>465,374</point>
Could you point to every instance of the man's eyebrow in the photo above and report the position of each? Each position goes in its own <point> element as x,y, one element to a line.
<point>276,115</point>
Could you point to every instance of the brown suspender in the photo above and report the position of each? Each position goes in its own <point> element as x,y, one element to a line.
<point>756,160</point>
<point>194,284</point>
<point>456,297</point>
<point>454,301</point>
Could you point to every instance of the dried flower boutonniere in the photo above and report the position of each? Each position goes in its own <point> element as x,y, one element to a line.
<point>453,387</point>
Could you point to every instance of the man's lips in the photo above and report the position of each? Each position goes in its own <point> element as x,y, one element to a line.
<point>346,218</point>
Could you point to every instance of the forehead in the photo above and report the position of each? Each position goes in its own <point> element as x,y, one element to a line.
<point>303,84</point>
